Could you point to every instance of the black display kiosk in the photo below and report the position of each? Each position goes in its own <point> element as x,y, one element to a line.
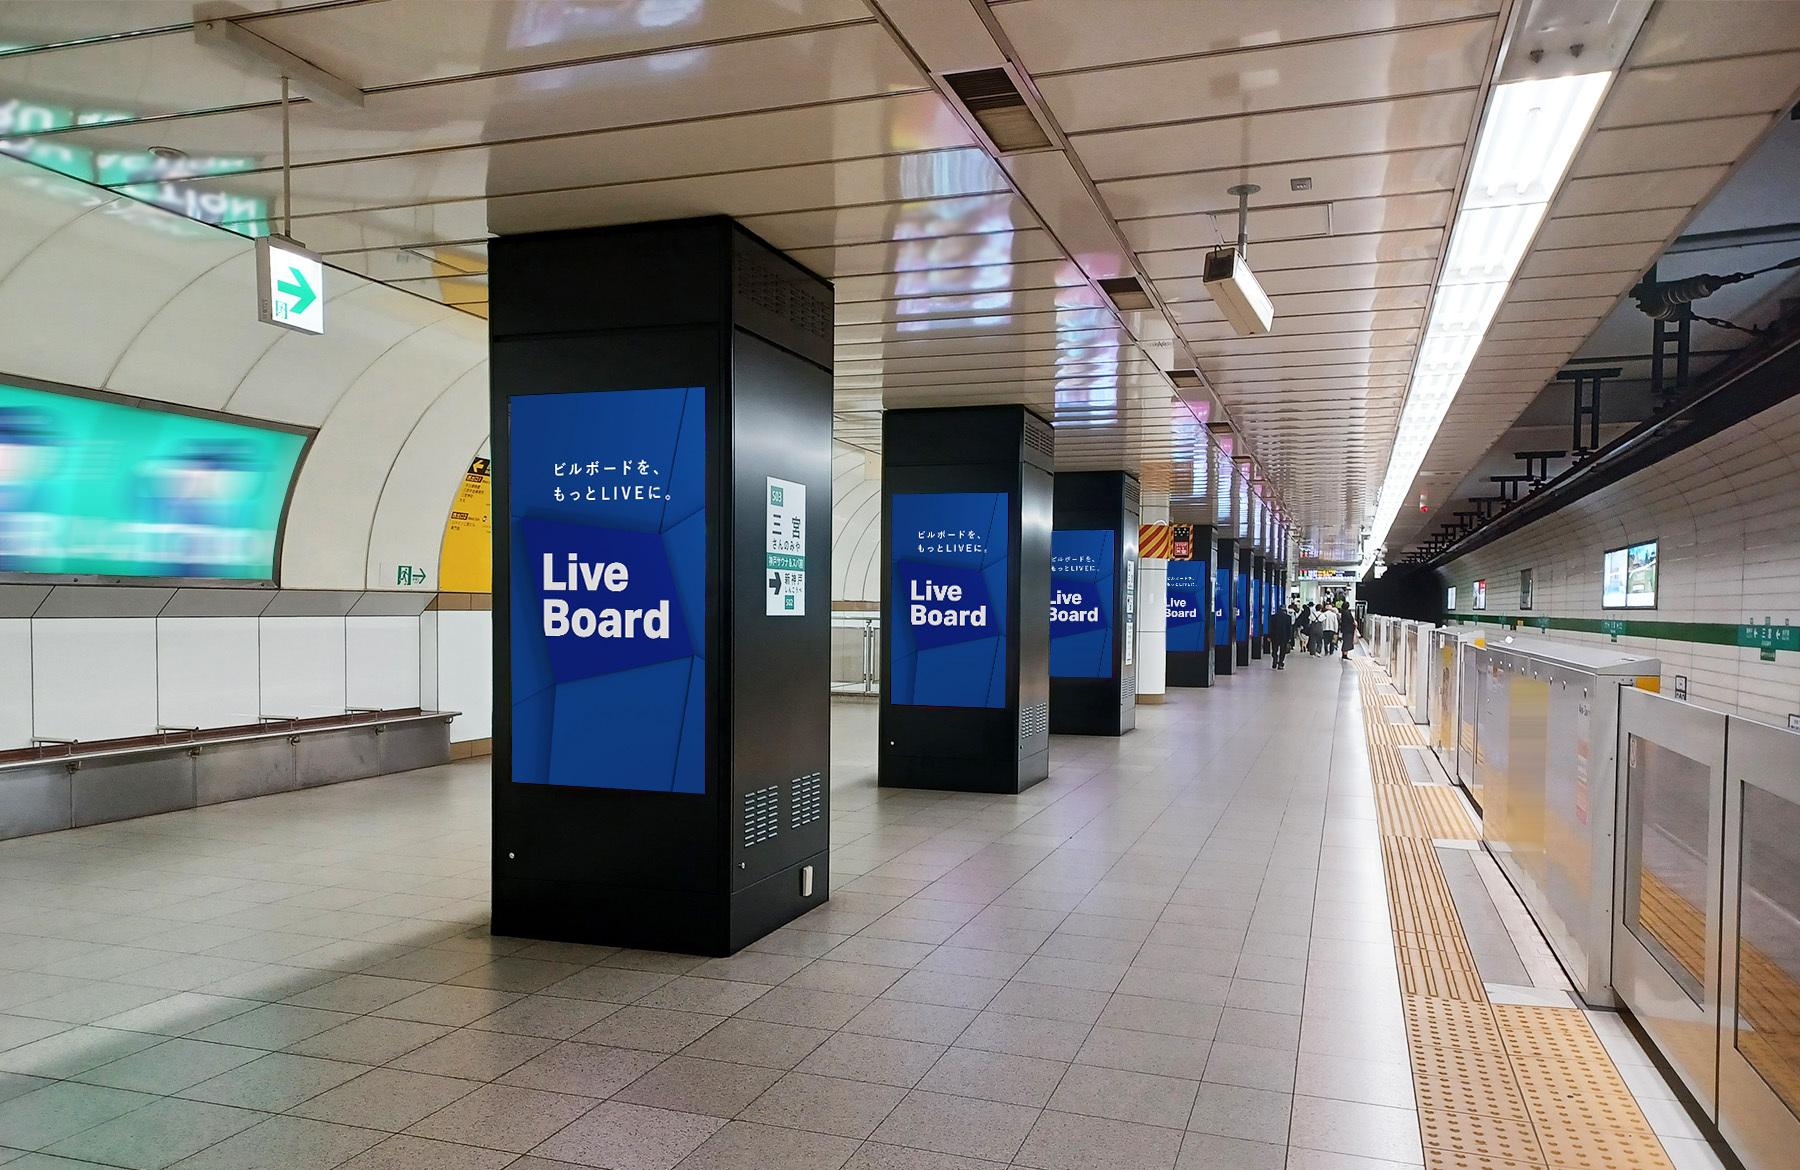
<point>1094,692</point>
<point>966,502</point>
<point>661,413</point>
<point>1190,652</point>
<point>1225,573</point>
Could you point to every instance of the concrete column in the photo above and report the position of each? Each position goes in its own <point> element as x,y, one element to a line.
<point>1152,608</point>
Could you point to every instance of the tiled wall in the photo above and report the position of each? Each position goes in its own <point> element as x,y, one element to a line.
<point>1726,512</point>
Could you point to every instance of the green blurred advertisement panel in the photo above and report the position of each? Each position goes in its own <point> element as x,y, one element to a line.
<point>90,487</point>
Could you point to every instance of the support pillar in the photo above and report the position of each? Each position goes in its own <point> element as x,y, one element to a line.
<point>1093,604</point>
<point>1240,596</point>
<point>1259,588</point>
<point>1152,605</point>
<point>966,518</point>
<point>1225,620</point>
<point>1190,613</point>
<point>661,422</point>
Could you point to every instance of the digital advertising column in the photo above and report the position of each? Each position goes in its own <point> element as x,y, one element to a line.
<point>1240,596</point>
<point>966,519</point>
<point>662,494</point>
<point>1093,604</point>
<point>1190,614</point>
<point>1259,604</point>
<point>1225,619</point>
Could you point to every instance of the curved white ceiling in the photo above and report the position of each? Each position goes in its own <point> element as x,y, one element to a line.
<point>101,291</point>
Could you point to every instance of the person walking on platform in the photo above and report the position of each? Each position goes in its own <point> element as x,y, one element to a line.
<point>1281,632</point>
<point>1347,636</point>
<point>1328,624</point>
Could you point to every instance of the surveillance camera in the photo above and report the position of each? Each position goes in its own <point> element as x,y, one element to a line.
<point>1239,295</point>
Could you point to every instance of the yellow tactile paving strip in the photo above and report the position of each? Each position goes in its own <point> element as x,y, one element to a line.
<point>1499,1086</point>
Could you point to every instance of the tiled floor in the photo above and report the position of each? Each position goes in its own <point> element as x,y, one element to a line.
<point>1173,953</point>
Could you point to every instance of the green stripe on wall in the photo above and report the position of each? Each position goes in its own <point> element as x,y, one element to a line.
<point>1711,633</point>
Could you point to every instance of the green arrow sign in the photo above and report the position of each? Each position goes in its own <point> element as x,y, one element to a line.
<point>301,291</point>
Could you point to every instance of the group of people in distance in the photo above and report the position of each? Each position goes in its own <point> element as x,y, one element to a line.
<point>1320,627</point>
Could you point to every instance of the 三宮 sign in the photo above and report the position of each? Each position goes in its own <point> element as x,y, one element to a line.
<point>290,286</point>
<point>947,628</point>
<point>786,549</point>
<point>606,516</point>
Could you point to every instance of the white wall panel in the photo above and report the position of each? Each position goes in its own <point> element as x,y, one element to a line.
<point>408,526</point>
<point>302,666</point>
<point>1726,516</point>
<point>855,525</point>
<point>163,363</point>
<point>207,671</point>
<point>381,662</point>
<point>94,678</point>
<point>15,683</point>
<point>465,671</point>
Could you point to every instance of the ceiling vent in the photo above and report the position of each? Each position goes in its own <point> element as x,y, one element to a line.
<point>1126,292</point>
<point>1187,379</point>
<point>998,107</point>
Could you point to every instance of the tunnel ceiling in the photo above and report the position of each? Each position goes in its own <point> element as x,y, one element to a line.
<point>963,273</point>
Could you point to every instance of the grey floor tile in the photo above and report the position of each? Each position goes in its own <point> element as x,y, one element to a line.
<point>473,1054</point>
<point>450,1006</point>
<point>619,1136</point>
<point>880,1059</point>
<point>17,1030</point>
<point>1079,973</point>
<point>73,1051</point>
<point>157,1135</point>
<point>1147,1052</point>
<point>797,1005</point>
<point>713,1087</point>
<point>719,997</point>
<point>513,973</point>
<point>583,1070</point>
<point>548,1016</point>
<point>1024,1036</point>
<point>850,1109</point>
<point>1352,1127</point>
<point>995,1076</point>
<point>742,1145</point>
<point>370,1040</point>
<point>1071,1004</point>
<point>403,1152</point>
<point>906,1020</point>
<point>1372,1082</point>
<point>272,1026</point>
<point>1251,1067</point>
<point>503,1117</point>
<point>18,1084</point>
<point>385,1099</point>
<point>357,994</point>
<point>170,1066</point>
<point>1206,1151</point>
<point>1065,1141</point>
<point>1259,1029</point>
<point>831,974</point>
<point>180,1014</point>
<point>650,1029</point>
<point>971,961</point>
<point>1167,1016</point>
<point>1145,1098</point>
<point>59,1110</point>
<point>275,1082</point>
<point>958,1125</point>
<point>945,989</point>
<point>757,1042</point>
<point>877,1156</point>
<point>285,1143</point>
<point>1255,1115</point>
<point>767,967</point>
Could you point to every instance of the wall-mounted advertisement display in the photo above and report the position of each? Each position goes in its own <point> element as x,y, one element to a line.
<point>607,516</point>
<point>96,488</point>
<point>1221,602</point>
<point>1628,577</point>
<point>1081,603</point>
<point>947,626</point>
<point>1526,584</point>
<point>1450,599</point>
<point>1186,628</point>
<point>1481,594</point>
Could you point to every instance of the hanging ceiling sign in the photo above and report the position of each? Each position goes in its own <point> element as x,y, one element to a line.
<point>290,286</point>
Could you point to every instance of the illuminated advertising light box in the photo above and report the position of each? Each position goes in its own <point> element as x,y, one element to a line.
<point>1450,598</point>
<point>607,514</point>
<point>1081,603</point>
<point>948,629</point>
<point>1187,594</point>
<point>1628,577</point>
<point>1481,594</point>
<point>96,488</point>
<point>1222,599</point>
<point>1242,602</point>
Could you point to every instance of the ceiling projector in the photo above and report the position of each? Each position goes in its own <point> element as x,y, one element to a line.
<point>1239,295</point>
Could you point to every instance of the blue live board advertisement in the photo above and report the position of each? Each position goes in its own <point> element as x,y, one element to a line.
<point>607,519</point>
<point>1081,603</point>
<point>1222,600</point>
<point>1186,618</point>
<point>948,626</point>
<point>1242,602</point>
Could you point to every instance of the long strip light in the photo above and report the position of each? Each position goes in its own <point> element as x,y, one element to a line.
<point>1532,130</point>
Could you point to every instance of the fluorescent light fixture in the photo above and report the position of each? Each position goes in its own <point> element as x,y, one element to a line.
<point>1528,138</point>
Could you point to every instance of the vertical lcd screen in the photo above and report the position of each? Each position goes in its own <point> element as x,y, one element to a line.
<point>1186,614</point>
<point>949,564</point>
<point>1081,603</point>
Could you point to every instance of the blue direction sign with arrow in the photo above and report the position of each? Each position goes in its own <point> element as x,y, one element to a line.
<point>290,285</point>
